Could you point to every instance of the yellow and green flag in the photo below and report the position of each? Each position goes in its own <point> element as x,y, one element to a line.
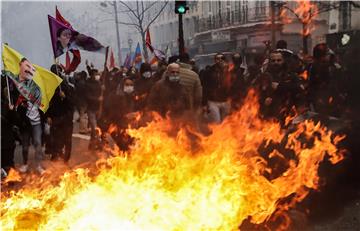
<point>46,81</point>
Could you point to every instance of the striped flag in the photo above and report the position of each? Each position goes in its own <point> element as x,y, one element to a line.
<point>137,57</point>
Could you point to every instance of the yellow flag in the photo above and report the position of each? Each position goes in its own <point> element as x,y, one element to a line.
<point>44,79</point>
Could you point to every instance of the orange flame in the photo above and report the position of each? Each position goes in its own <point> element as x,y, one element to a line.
<point>171,182</point>
<point>112,128</point>
<point>98,131</point>
<point>13,176</point>
<point>304,75</point>
<point>305,11</point>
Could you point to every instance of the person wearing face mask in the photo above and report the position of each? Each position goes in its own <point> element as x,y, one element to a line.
<point>143,84</point>
<point>121,108</point>
<point>93,98</point>
<point>168,95</point>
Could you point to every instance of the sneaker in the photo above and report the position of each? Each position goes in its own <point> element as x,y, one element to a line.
<point>40,170</point>
<point>24,168</point>
<point>3,173</point>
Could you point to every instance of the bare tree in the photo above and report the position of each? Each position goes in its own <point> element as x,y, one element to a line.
<point>141,14</point>
<point>305,17</point>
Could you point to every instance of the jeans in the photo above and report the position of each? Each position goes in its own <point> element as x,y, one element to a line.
<point>82,119</point>
<point>218,111</point>
<point>36,133</point>
<point>93,123</point>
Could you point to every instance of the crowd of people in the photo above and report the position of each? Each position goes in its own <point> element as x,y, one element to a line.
<point>285,83</point>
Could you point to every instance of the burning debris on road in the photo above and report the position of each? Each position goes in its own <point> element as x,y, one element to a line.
<point>171,182</point>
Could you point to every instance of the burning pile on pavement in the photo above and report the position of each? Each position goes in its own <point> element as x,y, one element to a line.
<point>174,182</point>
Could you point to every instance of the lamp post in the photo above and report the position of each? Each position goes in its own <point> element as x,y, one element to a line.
<point>103,4</point>
<point>130,42</point>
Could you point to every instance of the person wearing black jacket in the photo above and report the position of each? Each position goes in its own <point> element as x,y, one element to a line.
<point>93,99</point>
<point>60,117</point>
<point>9,119</point>
<point>287,88</point>
<point>216,88</point>
<point>144,84</point>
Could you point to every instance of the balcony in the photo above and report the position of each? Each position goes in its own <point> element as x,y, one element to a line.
<point>234,17</point>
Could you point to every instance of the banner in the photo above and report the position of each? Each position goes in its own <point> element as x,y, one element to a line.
<point>40,88</point>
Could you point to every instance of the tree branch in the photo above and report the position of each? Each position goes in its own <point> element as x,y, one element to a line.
<point>137,9</point>
<point>157,15</point>
<point>149,6</point>
<point>128,24</point>
<point>130,10</point>
<point>142,11</point>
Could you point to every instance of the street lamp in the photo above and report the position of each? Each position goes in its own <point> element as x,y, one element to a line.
<point>103,4</point>
<point>130,42</point>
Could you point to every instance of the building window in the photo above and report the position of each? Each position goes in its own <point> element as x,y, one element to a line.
<point>228,15</point>
<point>345,15</point>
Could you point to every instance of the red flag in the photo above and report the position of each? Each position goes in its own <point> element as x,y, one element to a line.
<point>112,59</point>
<point>71,66</point>
<point>110,63</point>
<point>67,61</point>
<point>148,41</point>
<point>60,18</point>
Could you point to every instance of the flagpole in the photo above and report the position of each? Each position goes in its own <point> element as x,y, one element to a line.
<point>104,73</point>
<point>57,72</point>
<point>8,90</point>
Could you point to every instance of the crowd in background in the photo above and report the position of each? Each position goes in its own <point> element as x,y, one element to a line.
<point>177,89</point>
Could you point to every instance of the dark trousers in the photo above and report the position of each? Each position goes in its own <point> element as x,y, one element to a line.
<point>61,133</point>
<point>7,157</point>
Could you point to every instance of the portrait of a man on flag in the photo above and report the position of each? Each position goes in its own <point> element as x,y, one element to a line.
<point>35,84</point>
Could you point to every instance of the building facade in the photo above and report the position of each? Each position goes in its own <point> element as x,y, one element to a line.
<point>243,26</point>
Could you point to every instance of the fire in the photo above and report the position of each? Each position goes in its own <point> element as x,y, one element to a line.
<point>304,75</point>
<point>169,181</point>
<point>13,176</point>
<point>305,12</point>
<point>112,128</point>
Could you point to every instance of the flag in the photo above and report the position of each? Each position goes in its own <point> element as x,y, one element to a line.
<point>70,65</point>
<point>110,61</point>
<point>44,81</point>
<point>167,52</point>
<point>148,41</point>
<point>137,57</point>
<point>61,19</point>
<point>157,53</point>
<point>127,61</point>
<point>77,41</point>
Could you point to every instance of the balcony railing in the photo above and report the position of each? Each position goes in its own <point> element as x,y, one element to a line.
<point>234,17</point>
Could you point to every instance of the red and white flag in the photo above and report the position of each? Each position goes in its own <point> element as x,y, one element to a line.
<point>110,64</point>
